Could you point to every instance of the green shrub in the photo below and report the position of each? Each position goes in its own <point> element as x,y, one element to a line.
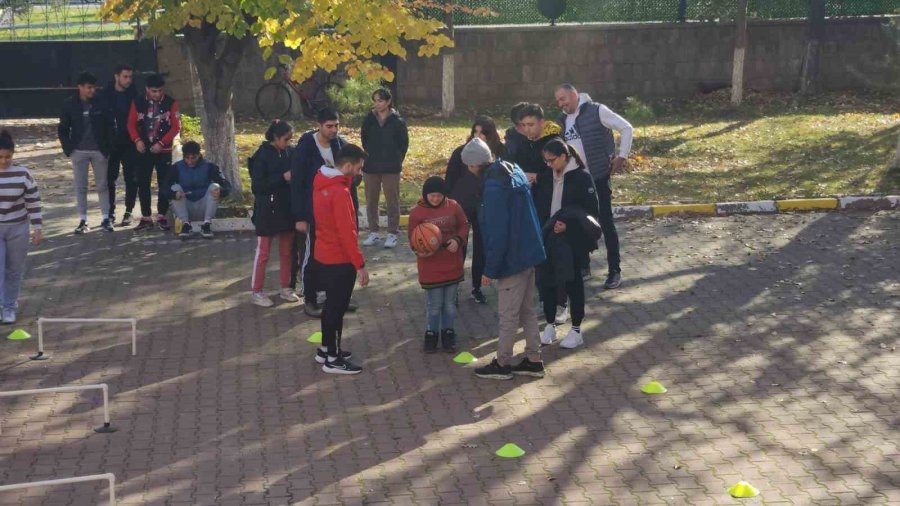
<point>190,128</point>
<point>354,96</point>
<point>635,110</point>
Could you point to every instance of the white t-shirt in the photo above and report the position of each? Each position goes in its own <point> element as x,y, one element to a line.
<point>610,120</point>
<point>326,153</point>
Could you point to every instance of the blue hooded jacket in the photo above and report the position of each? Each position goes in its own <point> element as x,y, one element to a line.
<point>509,223</point>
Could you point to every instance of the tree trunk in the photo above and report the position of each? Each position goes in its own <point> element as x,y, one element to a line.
<point>740,49</point>
<point>809,78</point>
<point>216,57</point>
<point>897,156</point>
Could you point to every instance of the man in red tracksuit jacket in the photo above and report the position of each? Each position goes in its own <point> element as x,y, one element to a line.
<point>337,253</point>
<point>153,123</point>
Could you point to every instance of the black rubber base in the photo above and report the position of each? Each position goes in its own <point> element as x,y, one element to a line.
<point>40,356</point>
<point>106,429</point>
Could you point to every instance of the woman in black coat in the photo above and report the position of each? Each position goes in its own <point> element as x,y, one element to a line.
<point>573,207</point>
<point>270,176</point>
<point>464,187</point>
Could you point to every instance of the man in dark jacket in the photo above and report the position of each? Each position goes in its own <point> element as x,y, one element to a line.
<point>512,247</point>
<point>153,124</point>
<point>119,94</point>
<point>386,139</point>
<point>86,133</point>
<point>514,137</point>
<point>194,188</point>
<point>528,157</point>
<point>315,149</point>
<point>588,128</point>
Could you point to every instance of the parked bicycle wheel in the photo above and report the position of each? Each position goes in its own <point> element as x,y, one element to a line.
<point>273,101</point>
<point>316,100</point>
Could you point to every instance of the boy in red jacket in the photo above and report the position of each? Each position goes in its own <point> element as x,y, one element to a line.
<point>440,272</point>
<point>337,253</point>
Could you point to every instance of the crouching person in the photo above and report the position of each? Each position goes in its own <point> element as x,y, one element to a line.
<point>195,187</point>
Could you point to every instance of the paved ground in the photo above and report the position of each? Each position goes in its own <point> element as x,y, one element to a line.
<point>775,335</point>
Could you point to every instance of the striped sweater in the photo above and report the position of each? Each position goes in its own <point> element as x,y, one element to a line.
<point>19,197</point>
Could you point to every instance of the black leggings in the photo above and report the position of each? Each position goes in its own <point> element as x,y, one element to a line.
<point>477,253</point>
<point>338,281</point>
<point>552,296</point>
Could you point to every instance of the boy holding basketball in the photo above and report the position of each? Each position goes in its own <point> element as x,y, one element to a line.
<point>438,229</point>
<point>337,254</point>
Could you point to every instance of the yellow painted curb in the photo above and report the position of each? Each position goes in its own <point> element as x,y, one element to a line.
<point>404,220</point>
<point>665,210</point>
<point>806,204</point>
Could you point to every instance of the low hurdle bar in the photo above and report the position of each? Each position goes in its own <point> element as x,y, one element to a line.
<point>73,388</point>
<point>110,477</point>
<point>41,321</point>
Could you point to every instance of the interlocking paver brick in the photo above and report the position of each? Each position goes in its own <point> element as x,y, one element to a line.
<point>778,363</point>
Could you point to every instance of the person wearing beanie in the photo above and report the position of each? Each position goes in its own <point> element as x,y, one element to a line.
<point>440,272</point>
<point>512,247</point>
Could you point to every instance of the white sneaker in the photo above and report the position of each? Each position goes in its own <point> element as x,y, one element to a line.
<point>390,241</point>
<point>373,238</point>
<point>289,295</point>
<point>572,340</point>
<point>562,315</point>
<point>9,315</point>
<point>260,299</point>
<point>548,335</point>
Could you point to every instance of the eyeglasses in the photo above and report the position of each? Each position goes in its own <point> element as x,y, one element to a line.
<point>549,161</point>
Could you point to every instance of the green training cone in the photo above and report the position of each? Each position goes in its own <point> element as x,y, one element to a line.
<point>510,451</point>
<point>18,335</point>
<point>654,387</point>
<point>315,338</point>
<point>464,358</point>
<point>742,490</point>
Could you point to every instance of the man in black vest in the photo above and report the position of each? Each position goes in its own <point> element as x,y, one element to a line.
<point>588,127</point>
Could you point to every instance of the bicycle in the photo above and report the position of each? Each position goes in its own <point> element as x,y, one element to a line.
<point>275,99</point>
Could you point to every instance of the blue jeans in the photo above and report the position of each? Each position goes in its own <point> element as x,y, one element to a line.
<point>440,307</point>
<point>13,251</point>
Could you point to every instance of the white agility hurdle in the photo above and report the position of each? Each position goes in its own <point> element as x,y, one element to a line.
<point>110,477</point>
<point>41,321</point>
<point>74,388</point>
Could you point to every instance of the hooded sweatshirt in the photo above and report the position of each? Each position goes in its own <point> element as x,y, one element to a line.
<point>559,183</point>
<point>337,241</point>
<point>443,267</point>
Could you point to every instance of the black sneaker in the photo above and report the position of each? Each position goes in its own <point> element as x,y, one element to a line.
<point>163,223</point>
<point>448,340</point>
<point>312,309</point>
<point>340,366</point>
<point>143,224</point>
<point>106,225</point>
<point>431,342</point>
<point>495,371</point>
<point>614,280</point>
<point>112,218</point>
<point>206,230</point>
<point>528,368</point>
<point>186,231</point>
<point>322,357</point>
<point>126,220</point>
<point>82,227</point>
<point>479,297</point>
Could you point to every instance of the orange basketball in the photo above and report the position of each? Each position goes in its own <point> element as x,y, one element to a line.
<point>426,238</point>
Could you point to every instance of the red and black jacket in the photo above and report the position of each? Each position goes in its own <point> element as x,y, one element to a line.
<point>141,126</point>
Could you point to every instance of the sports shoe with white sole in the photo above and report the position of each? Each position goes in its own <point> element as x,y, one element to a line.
<point>391,241</point>
<point>322,356</point>
<point>261,300</point>
<point>9,315</point>
<point>372,239</point>
<point>340,366</point>
<point>562,314</point>
<point>548,335</point>
<point>572,340</point>
<point>288,295</point>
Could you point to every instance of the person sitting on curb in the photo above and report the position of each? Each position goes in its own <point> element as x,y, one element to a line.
<point>512,247</point>
<point>195,187</point>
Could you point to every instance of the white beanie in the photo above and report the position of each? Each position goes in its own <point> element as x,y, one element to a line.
<point>476,152</point>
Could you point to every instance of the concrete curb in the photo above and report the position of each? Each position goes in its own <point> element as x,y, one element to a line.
<point>861,203</point>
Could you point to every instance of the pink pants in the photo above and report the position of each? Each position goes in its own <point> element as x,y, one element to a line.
<point>263,247</point>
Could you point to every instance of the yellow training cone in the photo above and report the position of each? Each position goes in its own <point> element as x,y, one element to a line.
<point>464,358</point>
<point>315,338</point>
<point>742,490</point>
<point>18,335</point>
<point>510,451</point>
<point>654,387</point>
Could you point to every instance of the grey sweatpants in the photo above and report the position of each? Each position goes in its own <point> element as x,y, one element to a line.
<point>515,305</point>
<point>197,210</point>
<point>13,251</point>
<point>80,162</point>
